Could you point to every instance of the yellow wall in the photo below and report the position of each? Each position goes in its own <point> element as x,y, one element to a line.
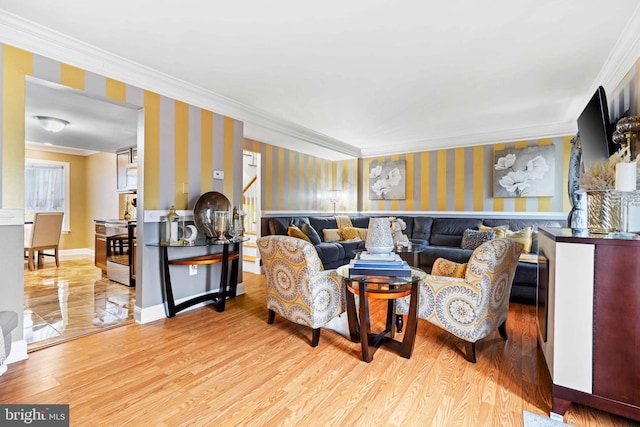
<point>76,238</point>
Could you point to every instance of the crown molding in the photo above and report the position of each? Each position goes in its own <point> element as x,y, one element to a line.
<point>44,41</point>
<point>477,138</point>
<point>41,40</point>
<point>624,55</point>
<point>30,145</point>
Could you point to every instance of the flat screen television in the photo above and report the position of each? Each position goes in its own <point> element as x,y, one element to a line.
<point>594,129</point>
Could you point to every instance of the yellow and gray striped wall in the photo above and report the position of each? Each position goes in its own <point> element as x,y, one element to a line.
<point>458,179</point>
<point>183,144</point>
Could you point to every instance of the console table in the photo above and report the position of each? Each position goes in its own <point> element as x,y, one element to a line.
<point>381,287</point>
<point>230,252</point>
<point>587,314</point>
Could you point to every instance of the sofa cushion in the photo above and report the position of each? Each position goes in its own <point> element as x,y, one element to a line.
<point>444,267</point>
<point>360,221</point>
<point>351,233</point>
<point>526,273</point>
<point>471,239</point>
<point>519,224</point>
<point>330,235</point>
<point>330,252</point>
<point>421,228</point>
<point>449,231</point>
<point>319,223</point>
<point>351,248</point>
<point>523,236</point>
<point>294,231</point>
<point>500,230</point>
<point>281,224</point>
<point>311,233</point>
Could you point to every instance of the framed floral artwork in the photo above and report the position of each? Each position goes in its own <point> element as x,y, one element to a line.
<point>387,180</point>
<point>524,172</point>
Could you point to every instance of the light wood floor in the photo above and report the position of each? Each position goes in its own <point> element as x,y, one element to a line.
<point>71,301</point>
<point>205,368</point>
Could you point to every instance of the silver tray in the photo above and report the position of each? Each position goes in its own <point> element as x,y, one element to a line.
<point>204,209</point>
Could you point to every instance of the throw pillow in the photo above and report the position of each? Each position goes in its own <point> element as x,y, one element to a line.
<point>471,239</point>
<point>348,233</point>
<point>311,233</point>
<point>501,230</point>
<point>363,233</point>
<point>524,236</point>
<point>331,235</point>
<point>294,231</point>
<point>444,267</point>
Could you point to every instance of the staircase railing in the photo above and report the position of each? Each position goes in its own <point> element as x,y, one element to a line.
<point>250,205</point>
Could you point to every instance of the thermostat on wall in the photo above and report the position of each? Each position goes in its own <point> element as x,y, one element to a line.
<point>218,174</point>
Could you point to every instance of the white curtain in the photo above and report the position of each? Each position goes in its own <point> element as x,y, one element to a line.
<point>44,187</point>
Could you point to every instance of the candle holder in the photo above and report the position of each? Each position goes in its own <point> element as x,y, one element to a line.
<point>221,225</point>
<point>172,228</point>
<point>626,199</point>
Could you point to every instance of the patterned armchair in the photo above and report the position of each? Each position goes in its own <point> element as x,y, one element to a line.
<point>298,288</point>
<point>474,306</point>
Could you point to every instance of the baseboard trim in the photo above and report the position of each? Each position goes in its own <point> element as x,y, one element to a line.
<point>157,312</point>
<point>18,352</point>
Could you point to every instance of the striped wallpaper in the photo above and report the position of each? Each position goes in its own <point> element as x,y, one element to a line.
<point>296,181</point>
<point>182,146</point>
<point>624,100</point>
<point>458,179</point>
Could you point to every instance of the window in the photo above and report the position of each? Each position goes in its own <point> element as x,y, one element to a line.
<point>46,188</point>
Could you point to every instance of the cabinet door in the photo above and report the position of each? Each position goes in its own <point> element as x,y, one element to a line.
<point>616,371</point>
<point>122,161</point>
<point>101,253</point>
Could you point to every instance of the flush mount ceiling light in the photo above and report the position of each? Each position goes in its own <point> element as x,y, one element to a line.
<point>51,124</point>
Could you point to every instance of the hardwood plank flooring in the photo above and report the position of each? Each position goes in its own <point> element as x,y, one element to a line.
<point>205,368</point>
<point>71,301</point>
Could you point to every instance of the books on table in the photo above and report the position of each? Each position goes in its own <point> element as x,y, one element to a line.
<point>379,265</point>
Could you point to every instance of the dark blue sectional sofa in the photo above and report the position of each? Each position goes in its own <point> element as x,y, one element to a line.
<point>443,237</point>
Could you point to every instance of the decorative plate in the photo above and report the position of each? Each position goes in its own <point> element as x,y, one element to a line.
<point>203,211</point>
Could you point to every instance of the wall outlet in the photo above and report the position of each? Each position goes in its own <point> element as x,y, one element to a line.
<point>193,270</point>
<point>218,174</point>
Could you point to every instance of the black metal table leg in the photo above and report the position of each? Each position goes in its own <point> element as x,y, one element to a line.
<point>170,304</point>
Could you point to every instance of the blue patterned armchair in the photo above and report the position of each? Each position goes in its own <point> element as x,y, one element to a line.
<point>474,306</point>
<point>298,287</point>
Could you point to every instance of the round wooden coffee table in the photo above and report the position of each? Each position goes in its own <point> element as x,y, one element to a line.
<point>381,287</point>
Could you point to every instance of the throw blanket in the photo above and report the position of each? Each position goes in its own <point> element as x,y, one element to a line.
<point>343,221</point>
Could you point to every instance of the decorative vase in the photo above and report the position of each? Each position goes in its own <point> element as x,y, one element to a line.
<point>397,237</point>
<point>379,238</point>
<point>603,212</point>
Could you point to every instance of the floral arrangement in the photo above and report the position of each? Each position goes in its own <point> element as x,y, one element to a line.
<point>517,181</point>
<point>397,224</point>
<point>382,186</point>
<point>601,174</point>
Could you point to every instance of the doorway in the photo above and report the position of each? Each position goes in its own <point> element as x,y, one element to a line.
<point>77,299</point>
<point>251,191</point>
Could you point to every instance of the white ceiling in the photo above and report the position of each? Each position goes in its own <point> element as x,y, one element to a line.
<point>95,125</point>
<point>362,77</point>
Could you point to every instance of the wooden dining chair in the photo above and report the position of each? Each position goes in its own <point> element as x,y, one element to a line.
<point>44,234</point>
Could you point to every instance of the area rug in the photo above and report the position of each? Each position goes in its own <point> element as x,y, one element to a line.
<point>533,420</point>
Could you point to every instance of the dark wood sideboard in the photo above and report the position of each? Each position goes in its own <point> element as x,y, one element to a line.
<point>589,320</point>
